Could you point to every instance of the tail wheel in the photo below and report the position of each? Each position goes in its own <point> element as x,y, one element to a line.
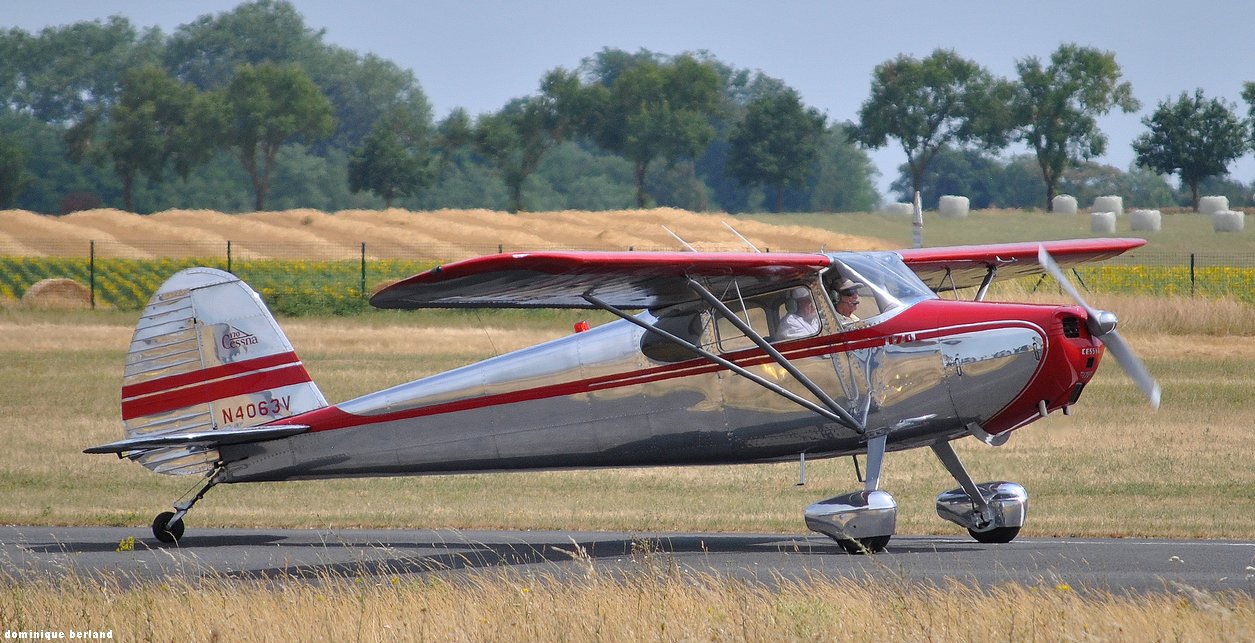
<point>996,536</point>
<point>869,545</point>
<point>166,532</point>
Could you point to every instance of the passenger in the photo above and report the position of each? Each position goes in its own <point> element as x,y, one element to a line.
<point>845,295</point>
<point>803,321</point>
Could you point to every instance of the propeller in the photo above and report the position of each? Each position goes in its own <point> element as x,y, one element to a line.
<point>1102,324</point>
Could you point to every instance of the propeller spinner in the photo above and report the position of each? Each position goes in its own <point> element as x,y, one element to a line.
<point>1102,324</point>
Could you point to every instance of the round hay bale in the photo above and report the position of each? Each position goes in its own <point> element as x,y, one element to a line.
<point>1102,222</point>
<point>1228,221</point>
<point>1109,203</point>
<point>953,207</point>
<point>1148,220</point>
<point>1212,204</point>
<point>898,209</point>
<point>58,294</point>
<point>1063,204</point>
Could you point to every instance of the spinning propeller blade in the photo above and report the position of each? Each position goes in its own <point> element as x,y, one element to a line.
<point>1102,324</point>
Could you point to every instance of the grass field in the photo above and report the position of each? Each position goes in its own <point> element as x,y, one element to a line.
<point>1113,468</point>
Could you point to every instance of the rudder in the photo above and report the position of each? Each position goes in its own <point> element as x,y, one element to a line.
<point>208,355</point>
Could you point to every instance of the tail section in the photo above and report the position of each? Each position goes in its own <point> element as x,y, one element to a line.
<point>207,356</point>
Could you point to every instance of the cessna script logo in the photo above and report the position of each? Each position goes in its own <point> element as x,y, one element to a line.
<point>235,338</point>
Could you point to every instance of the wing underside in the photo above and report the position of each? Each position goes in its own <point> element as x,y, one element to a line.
<point>967,266</point>
<point>627,280</point>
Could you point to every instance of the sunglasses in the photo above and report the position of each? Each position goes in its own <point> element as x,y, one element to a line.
<point>849,293</point>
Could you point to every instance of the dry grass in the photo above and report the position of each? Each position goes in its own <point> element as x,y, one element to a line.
<point>652,601</point>
<point>1113,468</point>
<point>441,235</point>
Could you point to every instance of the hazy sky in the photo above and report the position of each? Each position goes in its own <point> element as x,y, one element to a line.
<point>478,54</point>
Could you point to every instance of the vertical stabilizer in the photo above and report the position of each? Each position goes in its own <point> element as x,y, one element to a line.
<point>207,355</point>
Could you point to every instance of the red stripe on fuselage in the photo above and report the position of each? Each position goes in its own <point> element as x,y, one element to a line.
<point>208,392</point>
<point>333,417</point>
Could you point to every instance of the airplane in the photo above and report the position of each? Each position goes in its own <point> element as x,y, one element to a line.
<point>696,370</point>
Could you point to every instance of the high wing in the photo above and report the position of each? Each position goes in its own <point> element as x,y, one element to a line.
<point>968,266</point>
<point>627,280</point>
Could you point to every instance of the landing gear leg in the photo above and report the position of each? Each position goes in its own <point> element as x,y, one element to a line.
<point>168,525</point>
<point>863,521</point>
<point>992,512</point>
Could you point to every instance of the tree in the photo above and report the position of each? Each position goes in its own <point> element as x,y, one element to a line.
<point>68,70</point>
<point>929,104</point>
<point>776,144</point>
<point>267,106</point>
<point>1055,108</point>
<point>1193,138</point>
<point>207,51</point>
<point>654,109</point>
<point>844,178</point>
<point>394,159</point>
<point>12,172</point>
<point>156,123</point>
<point>515,141</point>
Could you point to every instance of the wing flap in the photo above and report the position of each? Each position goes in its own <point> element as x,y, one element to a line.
<point>211,439</point>
<point>628,280</point>
<point>967,265</point>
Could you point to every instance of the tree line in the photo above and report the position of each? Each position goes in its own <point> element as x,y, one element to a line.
<point>250,109</point>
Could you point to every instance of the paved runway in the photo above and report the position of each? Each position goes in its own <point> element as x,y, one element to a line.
<point>1120,565</point>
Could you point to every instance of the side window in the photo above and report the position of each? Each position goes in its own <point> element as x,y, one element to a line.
<point>731,338</point>
<point>783,314</point>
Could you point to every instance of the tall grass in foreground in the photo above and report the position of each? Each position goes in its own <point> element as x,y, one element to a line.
<point>653,600</point>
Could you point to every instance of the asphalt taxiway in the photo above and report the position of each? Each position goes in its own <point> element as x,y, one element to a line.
<point>1117,565</point>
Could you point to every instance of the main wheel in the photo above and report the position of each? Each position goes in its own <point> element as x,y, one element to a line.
<point>870,545</point>
<point>996,536</point>
<point>168,534</point>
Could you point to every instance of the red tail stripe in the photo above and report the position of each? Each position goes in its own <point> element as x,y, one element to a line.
<point>207,374</point>
<point>192,395</point>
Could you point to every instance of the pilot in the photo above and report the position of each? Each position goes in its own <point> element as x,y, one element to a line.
<point>803,321</point>
<point>845,295</point>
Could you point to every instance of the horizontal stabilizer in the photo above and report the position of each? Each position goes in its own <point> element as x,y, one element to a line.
<point>210,439</point>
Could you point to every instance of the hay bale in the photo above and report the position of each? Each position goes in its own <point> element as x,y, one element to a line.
<point>1063,204</point>
<point>58,294</point>
<point>953,207</point>
<point>1110,203</point>
<point>1228,221</point>
<point>1148,220</point>
<point>898,209</point>
<point>1102,222</point>
<point>1213,204</point>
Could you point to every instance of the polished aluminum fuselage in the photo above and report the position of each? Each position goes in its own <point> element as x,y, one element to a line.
<point>594,399</point>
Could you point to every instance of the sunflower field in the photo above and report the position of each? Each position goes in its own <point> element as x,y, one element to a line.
<point>342,287</point>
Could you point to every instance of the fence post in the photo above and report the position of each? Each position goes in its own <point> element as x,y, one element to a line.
<point>91,279</point>
<point>229,256</point>
<point>1191,274</point>
<point>363,287</point>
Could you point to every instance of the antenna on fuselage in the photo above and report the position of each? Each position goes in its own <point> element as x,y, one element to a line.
<point>917,224</point>
<point>677,238</point>
<point>739,236</point>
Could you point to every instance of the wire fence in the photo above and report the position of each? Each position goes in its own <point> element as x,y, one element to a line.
<point>337,278</point>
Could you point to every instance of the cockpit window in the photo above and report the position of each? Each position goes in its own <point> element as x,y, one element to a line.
<point>880,282</point>
<point>783,314</point>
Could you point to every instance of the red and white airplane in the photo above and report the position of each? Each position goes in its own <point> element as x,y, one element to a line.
<point>729,358</point>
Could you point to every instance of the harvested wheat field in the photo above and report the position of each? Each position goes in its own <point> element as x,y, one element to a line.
<point>444,234</point>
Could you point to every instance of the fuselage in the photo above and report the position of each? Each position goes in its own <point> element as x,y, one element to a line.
<point>615,396</point>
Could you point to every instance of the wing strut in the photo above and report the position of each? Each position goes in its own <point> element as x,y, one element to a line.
<point>735,368</point>
<point>846,419</point>
<point>984,284</point>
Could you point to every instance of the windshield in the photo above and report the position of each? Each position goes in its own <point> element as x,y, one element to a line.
<point>886,282</point>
